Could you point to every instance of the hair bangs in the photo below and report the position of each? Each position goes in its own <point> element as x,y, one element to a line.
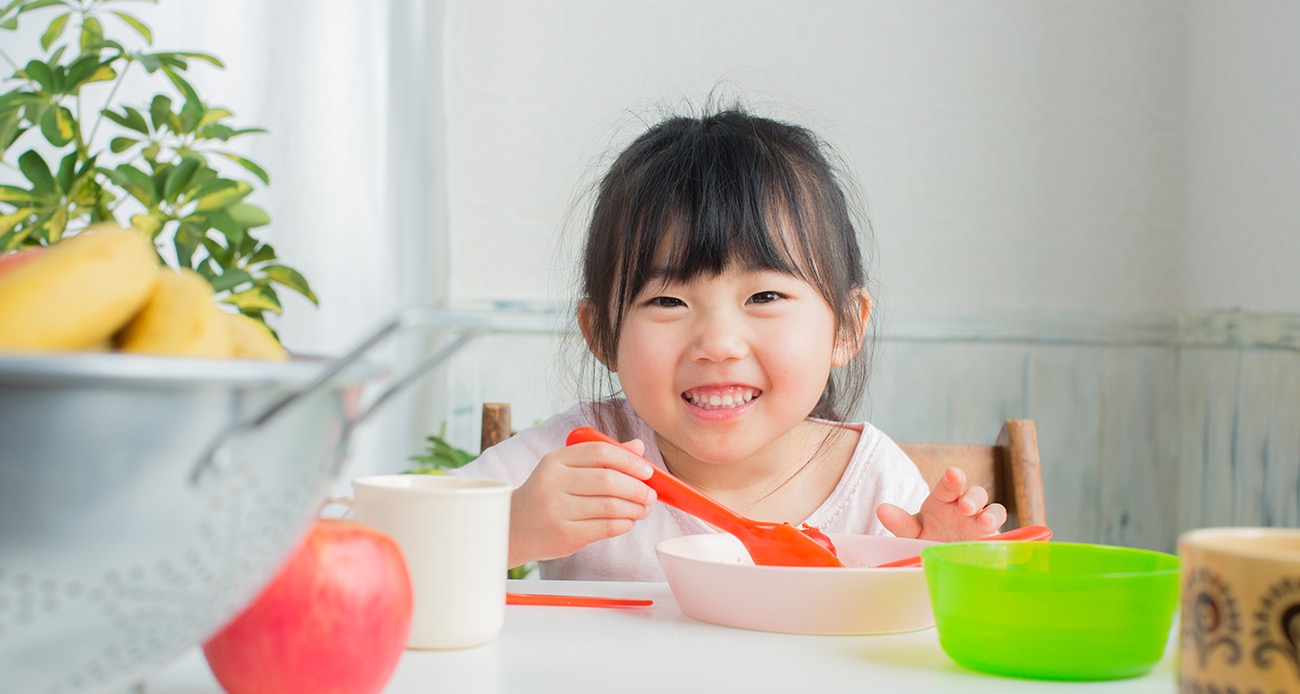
<point>728,203</point>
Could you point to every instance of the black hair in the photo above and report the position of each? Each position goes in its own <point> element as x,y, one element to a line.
<point>693,195</point>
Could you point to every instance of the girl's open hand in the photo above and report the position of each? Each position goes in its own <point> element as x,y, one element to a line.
<point>577,495</point>
<point>951,513</point>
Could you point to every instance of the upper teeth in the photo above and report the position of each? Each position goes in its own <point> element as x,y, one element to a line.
<point>730,399</point>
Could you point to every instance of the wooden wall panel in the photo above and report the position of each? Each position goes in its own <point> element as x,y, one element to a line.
<point>1147,425</point>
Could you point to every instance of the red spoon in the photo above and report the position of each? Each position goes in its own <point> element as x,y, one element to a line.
<point>769,544</point>
<point>1026,533</point>
<point>572,600</point>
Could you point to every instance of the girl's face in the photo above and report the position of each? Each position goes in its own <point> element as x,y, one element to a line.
<point>723,367</point>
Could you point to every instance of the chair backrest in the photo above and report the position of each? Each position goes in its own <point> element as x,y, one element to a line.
<point>496,424</point>
<point>1008,469</point>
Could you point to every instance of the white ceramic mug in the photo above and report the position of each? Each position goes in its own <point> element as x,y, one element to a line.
<point>455,535</point>
<point>1240,610</point>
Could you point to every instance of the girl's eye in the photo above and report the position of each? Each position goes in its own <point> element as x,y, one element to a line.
<point>665,302</point>
<point>765,297</point>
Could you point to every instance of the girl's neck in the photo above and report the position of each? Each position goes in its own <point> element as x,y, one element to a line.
<point>785,482</point>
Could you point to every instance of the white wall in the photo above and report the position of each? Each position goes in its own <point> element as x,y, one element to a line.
<point>1242,236</point>
<point>1016,154</point>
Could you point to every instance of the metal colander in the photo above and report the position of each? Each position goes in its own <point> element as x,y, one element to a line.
<point>145,500</point>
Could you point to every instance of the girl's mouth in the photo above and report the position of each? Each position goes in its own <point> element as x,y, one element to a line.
<point>720,398</point>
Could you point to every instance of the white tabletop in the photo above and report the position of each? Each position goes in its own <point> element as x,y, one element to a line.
<point>573,650</point>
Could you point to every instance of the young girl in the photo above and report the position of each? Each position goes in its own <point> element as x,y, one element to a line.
<point>724,296</point>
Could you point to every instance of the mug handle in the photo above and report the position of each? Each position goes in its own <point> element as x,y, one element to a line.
<point>345,501</point>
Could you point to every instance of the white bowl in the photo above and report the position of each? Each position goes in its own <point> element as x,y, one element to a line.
<point>714,580</point>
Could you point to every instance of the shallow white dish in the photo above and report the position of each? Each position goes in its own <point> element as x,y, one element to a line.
<point>714,580</point>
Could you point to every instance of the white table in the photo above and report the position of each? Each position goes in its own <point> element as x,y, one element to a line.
<point>574,650</point>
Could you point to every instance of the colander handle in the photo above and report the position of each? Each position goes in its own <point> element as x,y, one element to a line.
<point>219,454</point>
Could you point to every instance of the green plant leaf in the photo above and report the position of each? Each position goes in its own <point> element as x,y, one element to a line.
<point>16,196</point>
<point>249,165</point>
<point>149,223</point>
<point>230,279</point>
<point>15,99</point>
<point>10,129</point>
<point>160,112</point>
<point>256,299</point>
<point>92,32</point>
<point>222,255</point>
<point>37,171</point>
<point>38,4</point>
<point>225,194</point>
<point>11,220</point>
<point>137,184</point>
<point>88,68</point>
<point>136,24</point>
<point>40,73</point>
<point>178,179</point>
<point>55,30</point>
<point>265,253</point>
<point>55,225</point>
<point>120,144</point>
<point>58,126</point>
<point>248,216</point>
<point>130,118</point>
<point>181,84</point>
<point>191,115</point>
<point>222,222</point>
<point>291,278</point>
<point>187,240</point>
<point>67,169</point>
<point>205,57</point>
<point>214,114</point>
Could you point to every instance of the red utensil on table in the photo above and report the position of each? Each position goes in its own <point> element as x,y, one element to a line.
<point>1027,533</point>
<point>573,600</point>
<point>768,544</point>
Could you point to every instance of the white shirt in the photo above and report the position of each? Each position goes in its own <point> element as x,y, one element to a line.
<point>878,472</point>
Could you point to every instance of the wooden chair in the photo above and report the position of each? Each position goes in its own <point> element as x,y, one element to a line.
<point>1009,469</point>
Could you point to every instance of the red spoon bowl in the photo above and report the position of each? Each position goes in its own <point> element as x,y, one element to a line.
<point>770,544</point>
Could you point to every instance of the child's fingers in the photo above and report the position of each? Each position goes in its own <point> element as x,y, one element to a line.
<point>604,482</point>
<point>991,518</point>
<point>973,500</point>
<point>950,486</point>
<point>607,455</point>
<point>898,521</point>
<point>593,508</point>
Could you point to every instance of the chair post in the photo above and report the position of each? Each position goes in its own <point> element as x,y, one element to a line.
<point>1019,438</point>
<point>496,424</point>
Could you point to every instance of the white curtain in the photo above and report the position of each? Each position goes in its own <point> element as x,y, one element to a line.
<point>348,93</point>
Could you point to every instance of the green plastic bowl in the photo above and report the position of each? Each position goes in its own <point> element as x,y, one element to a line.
<point>1052,610</point>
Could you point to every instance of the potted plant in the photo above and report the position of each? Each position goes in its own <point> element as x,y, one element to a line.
<point>164,167</point>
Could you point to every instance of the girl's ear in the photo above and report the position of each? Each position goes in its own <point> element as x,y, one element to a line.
<point>586,318</point>
<point>851,337</point>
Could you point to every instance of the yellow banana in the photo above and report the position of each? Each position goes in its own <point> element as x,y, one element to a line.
<point>252,340</point>
<point>179,319</point>
<point>79,293</point>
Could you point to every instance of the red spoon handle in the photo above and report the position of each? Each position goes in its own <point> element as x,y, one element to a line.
<point>1028,533</point>
<point>572,601</point>
<point>671,490</point>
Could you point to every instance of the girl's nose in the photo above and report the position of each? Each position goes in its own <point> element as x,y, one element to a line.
<point>717,338</point>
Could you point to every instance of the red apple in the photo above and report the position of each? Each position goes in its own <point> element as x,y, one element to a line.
<point>335,619</point>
